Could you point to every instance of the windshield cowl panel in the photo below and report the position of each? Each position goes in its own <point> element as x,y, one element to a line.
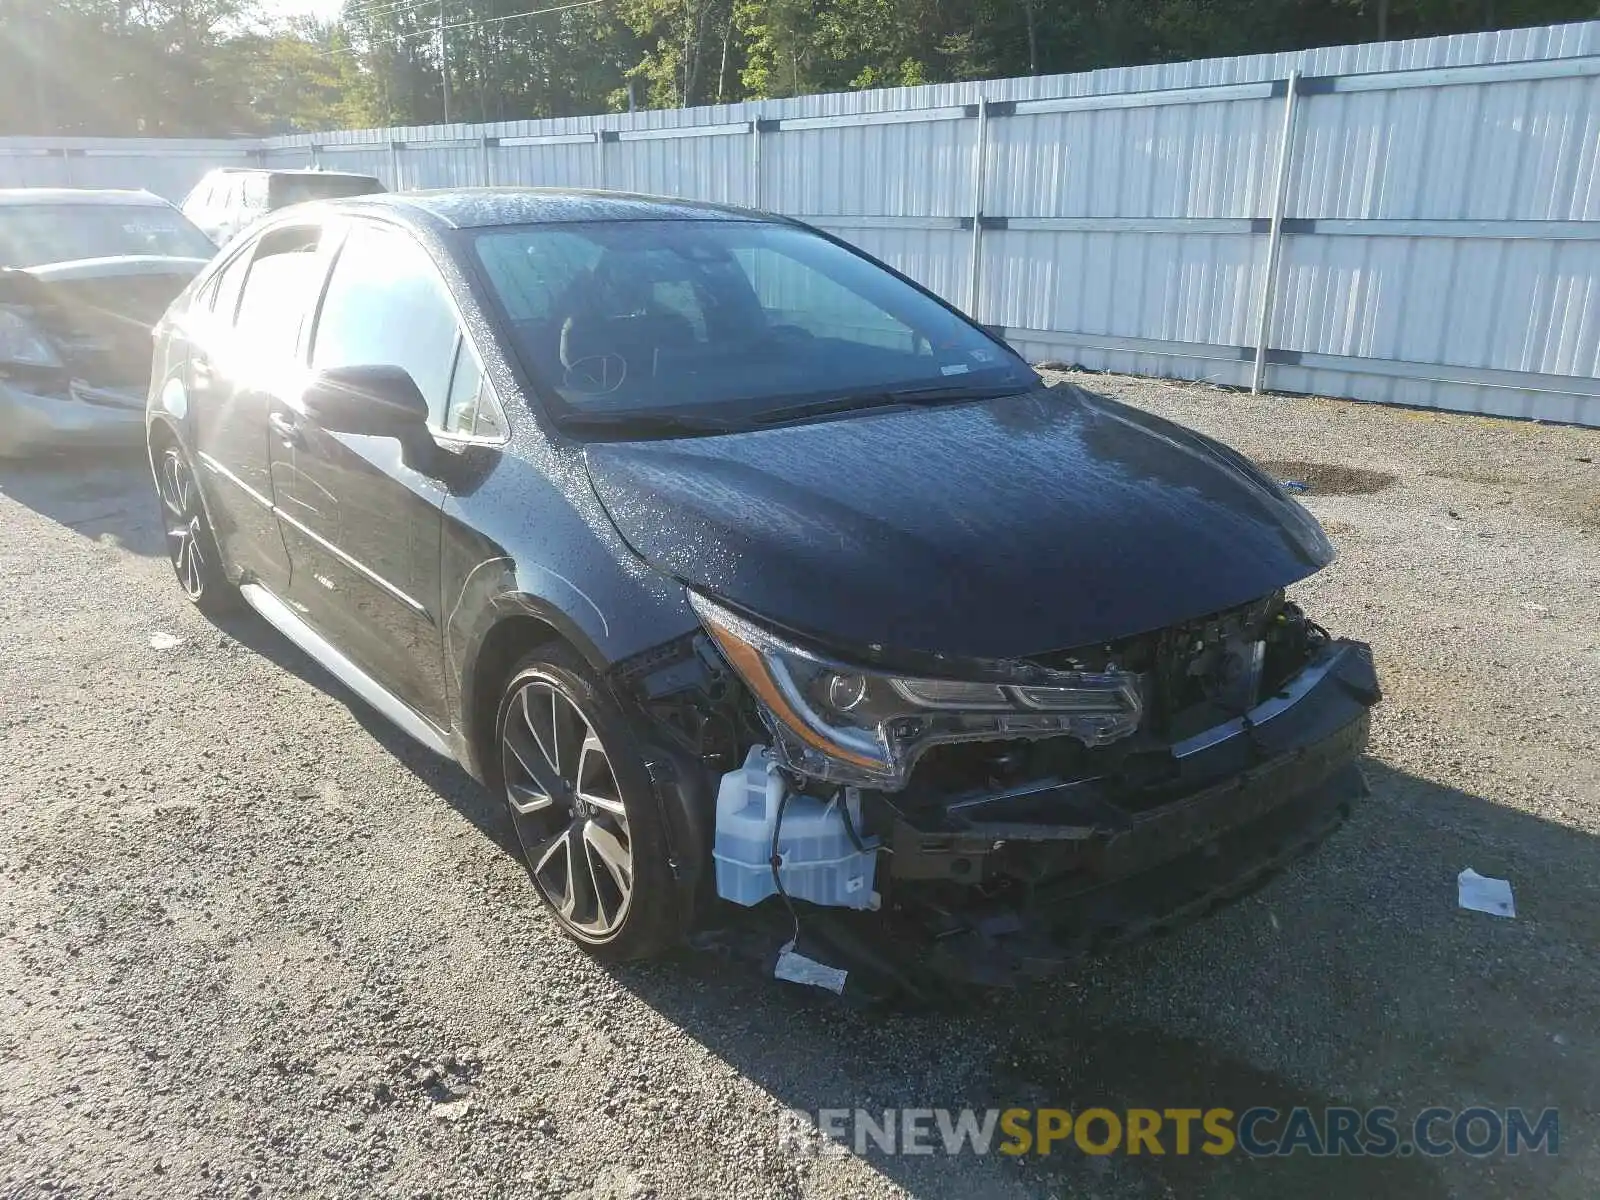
<point>729,323</point>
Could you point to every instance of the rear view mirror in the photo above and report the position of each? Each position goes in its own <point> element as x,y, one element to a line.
<point>378,401</point>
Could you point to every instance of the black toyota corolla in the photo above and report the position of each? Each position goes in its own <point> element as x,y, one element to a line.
<point>749,572</point>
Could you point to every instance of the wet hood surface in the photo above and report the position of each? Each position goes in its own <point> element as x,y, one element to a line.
<point>999,529</point>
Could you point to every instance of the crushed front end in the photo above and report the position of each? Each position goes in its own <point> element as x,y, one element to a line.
<point>990,822</point>
<point>75,350</point>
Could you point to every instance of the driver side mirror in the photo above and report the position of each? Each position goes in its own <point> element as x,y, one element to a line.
<point>377,401</point>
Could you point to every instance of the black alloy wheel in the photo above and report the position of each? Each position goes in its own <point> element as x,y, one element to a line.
<point>191,548</point>
<point>583,806</point>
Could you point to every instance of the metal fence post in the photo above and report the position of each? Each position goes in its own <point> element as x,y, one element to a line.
<point>1280,197</point>
<point>485,173</point>
<point>394,164</point>
<point>66,166</point>
<point>755,161</point>
<point>980,146</point>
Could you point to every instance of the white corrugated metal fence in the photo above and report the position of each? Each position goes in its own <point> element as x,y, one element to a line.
<point>1415,222</point>
<point>166,166</point>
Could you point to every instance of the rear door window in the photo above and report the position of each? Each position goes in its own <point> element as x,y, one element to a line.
<point>280,288</point>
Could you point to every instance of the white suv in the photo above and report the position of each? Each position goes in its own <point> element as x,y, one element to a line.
<point>231,199</point>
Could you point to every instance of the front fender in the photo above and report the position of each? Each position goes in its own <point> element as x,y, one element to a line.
<point>492,594</point>
<point>495,591</point>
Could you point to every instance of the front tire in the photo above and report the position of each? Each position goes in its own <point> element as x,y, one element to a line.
<point>584,808</point>
<point>191,546</point>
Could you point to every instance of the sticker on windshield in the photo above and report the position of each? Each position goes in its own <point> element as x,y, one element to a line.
<point>955,369</point>
<point>982,355</point>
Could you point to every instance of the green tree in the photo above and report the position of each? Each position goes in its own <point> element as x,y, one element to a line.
<point>175,67</point>
<point>302,79</point>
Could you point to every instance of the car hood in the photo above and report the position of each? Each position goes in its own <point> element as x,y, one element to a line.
<point>100,311</point>
<point>995,530</point>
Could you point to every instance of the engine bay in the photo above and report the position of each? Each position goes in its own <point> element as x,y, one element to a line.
<point>985,832</point>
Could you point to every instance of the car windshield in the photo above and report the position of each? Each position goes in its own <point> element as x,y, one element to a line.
<point>623,320</point>
<point>32,235</point>
<point>297,189</point>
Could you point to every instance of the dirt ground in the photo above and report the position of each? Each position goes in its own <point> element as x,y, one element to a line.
<point>254,943</point>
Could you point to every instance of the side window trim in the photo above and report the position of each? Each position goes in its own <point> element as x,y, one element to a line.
<point>339,231</point>
<point>488,397</point>
<point>206,297</point>
<point>249,251</point>
<point>206,294</point>
<point>450,387</point>
<point>327,255</point>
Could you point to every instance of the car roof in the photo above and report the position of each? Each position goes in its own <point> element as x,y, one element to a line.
<point>42,195</point>
<point>466,208</point>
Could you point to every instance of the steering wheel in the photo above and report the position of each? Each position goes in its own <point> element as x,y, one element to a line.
<point>596,374</point>
<point>590,374</point>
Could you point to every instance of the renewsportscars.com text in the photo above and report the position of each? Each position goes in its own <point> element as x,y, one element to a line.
<point>1256,1132</point>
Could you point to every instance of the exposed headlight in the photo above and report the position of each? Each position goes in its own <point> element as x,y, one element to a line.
<point>22,345</point>
<point>840,722</point>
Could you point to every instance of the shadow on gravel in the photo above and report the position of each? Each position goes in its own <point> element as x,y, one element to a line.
<point>102,496</point>
<point>1352,979</point>
<point>453,785</point>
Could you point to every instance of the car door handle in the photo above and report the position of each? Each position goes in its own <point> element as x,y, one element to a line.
<point>200,372</point>
<point>287,428</point>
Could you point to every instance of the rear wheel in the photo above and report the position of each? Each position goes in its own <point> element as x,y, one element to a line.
<point>191,547</point>
<point>584,808</point>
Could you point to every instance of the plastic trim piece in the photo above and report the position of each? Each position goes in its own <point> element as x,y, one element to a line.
<point>1273,706</point>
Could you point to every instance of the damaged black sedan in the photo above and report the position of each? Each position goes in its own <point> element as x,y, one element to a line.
<point>754,577</point>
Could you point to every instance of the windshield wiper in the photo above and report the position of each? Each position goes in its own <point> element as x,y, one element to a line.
<point>892,398</point>
<point>647,424</point>
<point>671,424</point>
<point>936,393</point>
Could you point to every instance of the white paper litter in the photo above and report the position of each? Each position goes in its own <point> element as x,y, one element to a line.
<point>164,641</point>
<point>797,968</point>
<point>1482,894</point>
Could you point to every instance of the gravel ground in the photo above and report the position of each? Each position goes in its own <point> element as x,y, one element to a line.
<point>254,943</point>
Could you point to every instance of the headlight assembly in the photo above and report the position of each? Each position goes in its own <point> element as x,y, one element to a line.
<point>23,345</point>
<point>835,721</point>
